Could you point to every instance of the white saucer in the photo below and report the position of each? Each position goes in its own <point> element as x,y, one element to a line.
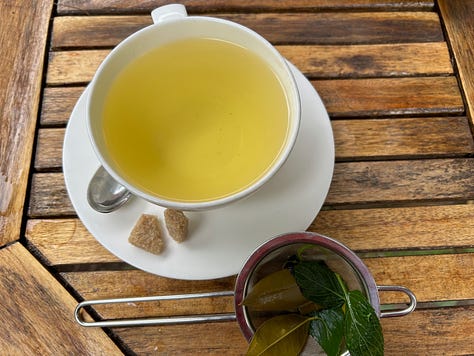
<point>220,240</point>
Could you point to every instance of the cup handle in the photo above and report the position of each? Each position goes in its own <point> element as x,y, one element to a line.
<point>168,12</point>
<point>411,306</point>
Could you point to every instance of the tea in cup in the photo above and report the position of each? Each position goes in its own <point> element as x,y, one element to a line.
<point>193,112</point>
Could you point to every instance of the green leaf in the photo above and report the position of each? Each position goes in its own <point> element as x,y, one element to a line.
<point>328,329</point>
<point>362,327</point>
<point>319,284</point>
<point>276,292</point>
<point>282,335</point>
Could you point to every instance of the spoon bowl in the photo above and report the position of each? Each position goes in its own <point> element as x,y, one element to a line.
<point>105,194</point>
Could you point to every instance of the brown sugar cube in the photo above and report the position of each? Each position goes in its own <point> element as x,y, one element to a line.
<point>146,234</point>
<point>177,224</point>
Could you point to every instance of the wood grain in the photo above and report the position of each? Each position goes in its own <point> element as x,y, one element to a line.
<point>452,281</point>
<point>49,149</point>
<point>49,196</point>
<point>379,60</point>
<point>278,28</point>
<point>390,96</point>
<point>402,182</point>
<point>73,67</point>
<point>457,16</point>
<point>431,332</point>
<point>344,27</point>
<point>57,105</point>
<point>137,6</point>
<point>37,312</point>
<point>416,334</point>
<point>213,339</point>
<point>67,241</point>
<point>401,138</point>
<point>94,31</point>
<point>21,62</point>
<point>423,227</point>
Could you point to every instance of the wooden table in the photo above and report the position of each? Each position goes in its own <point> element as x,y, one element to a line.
<point>397,78</point>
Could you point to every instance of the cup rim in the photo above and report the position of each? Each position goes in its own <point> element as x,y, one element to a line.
<point>291,238</point>
<point>207,204</point>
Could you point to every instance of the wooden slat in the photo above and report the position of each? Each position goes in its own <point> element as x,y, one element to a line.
<point>66,241</point>
<point>402,181</point>
<point>37,311</point>
<point>21,62</point>
<point>390,96</point>
<point>399,228</point>
<point>431,332</point>
<point>345,28</point>
<point>57,104</point>
<point>49,196</point>
<point>49,149</point>
<point>210,339</point>
<point>398,138</point>
<point>280,28</point>
<point>137,6</point>
<point>382,60</point>
<point>354,139</point>
<point>94,31</point>
<point>452,280</point>
<point>73,67</point>
<point>353,183</point>
<point>416,334</point>
<point>457,16</point>
<point>70,67</point>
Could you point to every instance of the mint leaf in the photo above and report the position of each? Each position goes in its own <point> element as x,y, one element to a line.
<point>361,326</point>
<point>281,335</point>
<point>319,284</point>
<point>328,329</point>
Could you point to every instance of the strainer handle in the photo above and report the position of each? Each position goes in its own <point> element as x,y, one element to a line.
<point>411,306</point>
<point>154,321</point>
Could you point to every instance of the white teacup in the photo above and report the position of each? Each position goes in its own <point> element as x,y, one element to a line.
<point>137,107</point>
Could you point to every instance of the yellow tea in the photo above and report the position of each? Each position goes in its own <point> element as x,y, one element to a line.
<point>195,120</point>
